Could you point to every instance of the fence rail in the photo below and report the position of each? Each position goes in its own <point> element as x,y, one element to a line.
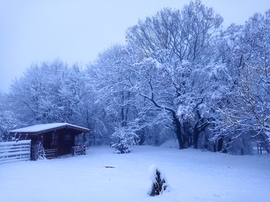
<point>15,151</point>
<point>51,153</point>
<point>78,150</point>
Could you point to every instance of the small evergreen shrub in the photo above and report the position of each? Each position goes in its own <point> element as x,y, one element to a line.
<point>121,148</point>
<point>124,140</point>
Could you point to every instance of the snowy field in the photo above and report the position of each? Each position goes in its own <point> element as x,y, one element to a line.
<point>102,175</point>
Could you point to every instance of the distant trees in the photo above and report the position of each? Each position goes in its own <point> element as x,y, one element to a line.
<point>50,92</point>
<point>8,118</point>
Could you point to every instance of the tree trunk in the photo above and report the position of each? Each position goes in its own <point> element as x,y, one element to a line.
<point>178,131</point>
<point>199,127</point>
<point>196,133</point>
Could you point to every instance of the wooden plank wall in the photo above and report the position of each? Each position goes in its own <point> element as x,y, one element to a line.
<point>15,151</point>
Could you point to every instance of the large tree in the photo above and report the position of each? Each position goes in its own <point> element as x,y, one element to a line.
<point>170,47</point>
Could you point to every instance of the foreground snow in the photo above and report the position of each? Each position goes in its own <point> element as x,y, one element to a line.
<point>102,175</point>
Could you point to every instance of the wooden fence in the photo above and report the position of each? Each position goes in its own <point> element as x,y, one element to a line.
<point>51,153</point>
<point>15,151</point>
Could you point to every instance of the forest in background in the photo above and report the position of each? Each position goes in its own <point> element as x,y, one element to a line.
<point>180,75</point>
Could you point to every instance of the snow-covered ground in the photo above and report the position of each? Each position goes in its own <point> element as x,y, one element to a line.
<point>102,175</point>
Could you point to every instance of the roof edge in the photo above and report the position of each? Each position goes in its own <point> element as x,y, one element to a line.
<point>42,128</point>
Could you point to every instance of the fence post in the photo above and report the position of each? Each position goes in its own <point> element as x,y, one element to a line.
<point>259,148</point>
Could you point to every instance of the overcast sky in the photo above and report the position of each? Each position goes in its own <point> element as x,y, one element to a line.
<point>75,31</point>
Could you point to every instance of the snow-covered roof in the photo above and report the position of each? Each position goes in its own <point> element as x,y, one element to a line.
<point>40,128</point>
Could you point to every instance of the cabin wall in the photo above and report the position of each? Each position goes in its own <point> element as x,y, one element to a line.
<point>62,139</point>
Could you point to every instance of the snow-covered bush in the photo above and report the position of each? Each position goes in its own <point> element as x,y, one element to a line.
<point>159,181</point>
<point>125,140</point>
<point>121,147</point>
<point>38,152</point>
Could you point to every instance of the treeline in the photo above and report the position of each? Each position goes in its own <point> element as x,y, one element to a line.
<point>179,75</point>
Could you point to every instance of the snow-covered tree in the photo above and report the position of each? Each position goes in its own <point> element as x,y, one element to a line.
<point>254,79</point>
<point>172,48</point>
<point>243,111</point>
<point>8,118</point>
<point>50,92</point>
<point>111,79</point>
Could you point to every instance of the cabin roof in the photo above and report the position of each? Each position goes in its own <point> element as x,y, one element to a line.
<point>42,128</point>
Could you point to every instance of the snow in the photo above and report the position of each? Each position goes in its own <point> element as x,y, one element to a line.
<point>152,172</point>
<point>43,127</point>
<point>102,175</point>
<point>15,142</point>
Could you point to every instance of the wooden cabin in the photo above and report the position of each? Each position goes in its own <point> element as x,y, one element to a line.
<point>54,139</point>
